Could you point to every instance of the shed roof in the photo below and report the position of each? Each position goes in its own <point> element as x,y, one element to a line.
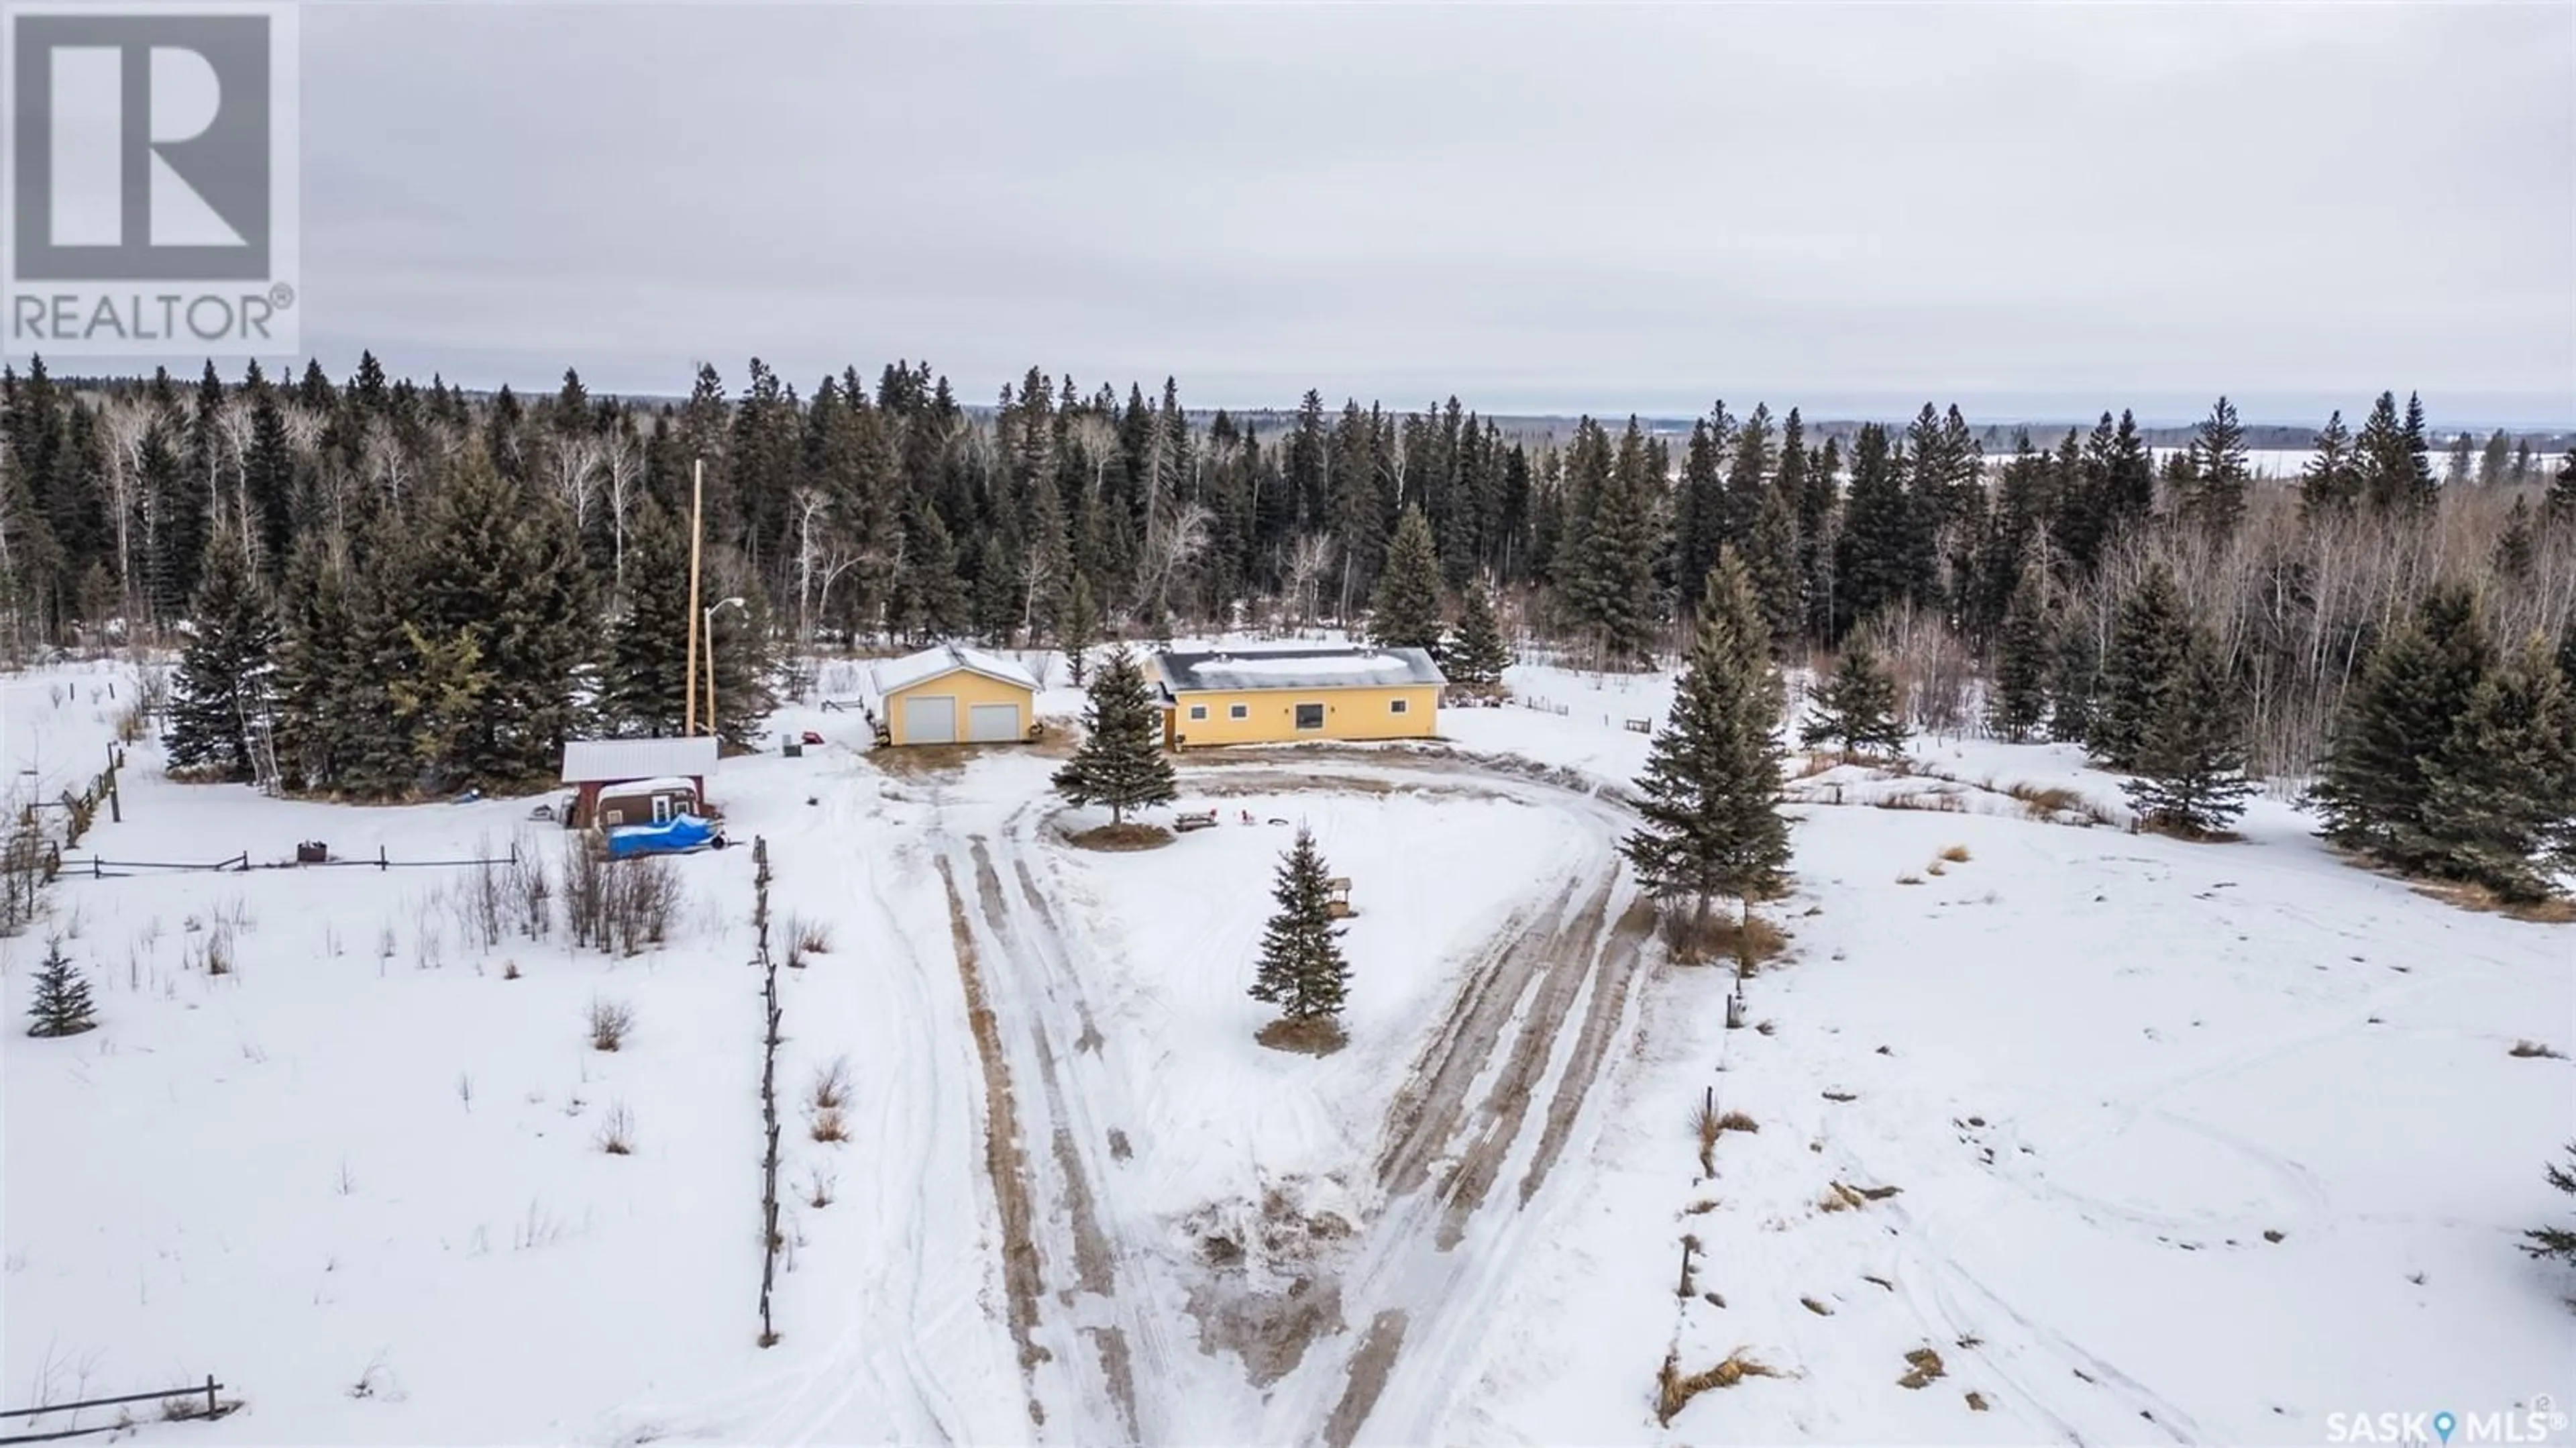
<point>1343,668</point>
<point>614,761</point>
<point>893,675</point>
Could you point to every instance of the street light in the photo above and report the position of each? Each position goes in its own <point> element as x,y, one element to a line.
<point>711,657</point>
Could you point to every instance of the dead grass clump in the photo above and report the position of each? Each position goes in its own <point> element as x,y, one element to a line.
<point>1737,1121</point>
<point>2047,802</point>
<point>1956,854</point>
<point>1925,1366</point>
<point>1818,1308</point>
<point>2555,910</point>
<point>1936,801</point>
<point>2534,1050</point>
<point>1976,1402</point>
<point>1705,1125</point>
<point>1748,940</point>
<point>1841,1196</point>
<point>1131,836</point>
<point>1909,879</point>
<point>509,970</point>
<point>610,1022</point>
<point>1936,868</point>
<point>1674,1391</point>
<point>617,1131</point>
<point>831,1088</point>
<point>818,1190</point>
<point>828,1126</point>
<point>1317,1036</point>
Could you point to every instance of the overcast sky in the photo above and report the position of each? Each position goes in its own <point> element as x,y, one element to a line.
<point>2034,210</point>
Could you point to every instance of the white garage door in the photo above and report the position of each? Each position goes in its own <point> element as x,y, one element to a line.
<point>993,723</point>
<point>930,721</point>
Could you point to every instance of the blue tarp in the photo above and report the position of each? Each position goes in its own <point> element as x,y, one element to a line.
<point>683,832</point>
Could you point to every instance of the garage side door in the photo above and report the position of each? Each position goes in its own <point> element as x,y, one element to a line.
<point>993,723</point>
<point>930,721</point>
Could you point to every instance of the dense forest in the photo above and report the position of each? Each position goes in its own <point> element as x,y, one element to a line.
<point>414,587</point>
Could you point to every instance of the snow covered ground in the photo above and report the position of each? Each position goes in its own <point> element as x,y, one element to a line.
<point>359,1176</point>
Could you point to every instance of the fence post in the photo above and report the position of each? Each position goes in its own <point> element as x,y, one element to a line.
<point>382,863</point>
<point>210,1395</point>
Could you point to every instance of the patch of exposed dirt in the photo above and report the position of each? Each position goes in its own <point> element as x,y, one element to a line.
<point>1124,838</point>
<point>1319,1036</point>
<point>1369,1367</point>
<point>1004,1162</point>
<point>1111,1343</point>
<point>1271,1281</point>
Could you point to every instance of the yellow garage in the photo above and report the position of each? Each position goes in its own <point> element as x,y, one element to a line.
<point>1279,696</point>
<point>953,695</point>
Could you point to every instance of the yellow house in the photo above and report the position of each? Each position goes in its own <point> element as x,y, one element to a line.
<point>1279,696</point>
<point>953,695</point>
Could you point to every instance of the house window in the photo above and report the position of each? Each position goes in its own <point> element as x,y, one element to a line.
<point>1198,711</point>
<point>1238,711</point>
<point>1395,706</point>
<point>1310,716</point>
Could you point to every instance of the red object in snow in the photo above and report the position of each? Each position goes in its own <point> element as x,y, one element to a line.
<point>811,737</point>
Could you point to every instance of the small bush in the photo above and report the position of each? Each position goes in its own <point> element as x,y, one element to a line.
<point>509,970</point>
<point>617,1131</point>
<point>1909,879</point>
<point>1956,854</point>
<point>819,1187</point>
<point>828,1125</point>
<point>2534,1051</point>
<point>1674,1391</point>
<point>809,937</point>
<point>831,1088</point>
<point>1923,1366</point>
<point>610,1021</point>
<point>1737,1121</point>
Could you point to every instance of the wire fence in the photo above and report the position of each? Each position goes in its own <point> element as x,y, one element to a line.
<point>309,856</point>
<point>177,1405</point>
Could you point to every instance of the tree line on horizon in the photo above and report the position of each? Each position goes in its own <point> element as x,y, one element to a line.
<point>327,519</point>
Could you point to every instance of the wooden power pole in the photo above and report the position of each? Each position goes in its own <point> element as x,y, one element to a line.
<point>697,500</point>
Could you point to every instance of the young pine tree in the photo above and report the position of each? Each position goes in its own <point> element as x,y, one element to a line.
<point>2190,763</point>
<point>2499,794</point>
<point>2562,492</point>
<point>1476,656</point>
<point>644,684</point>
<point>1856,708</point>
<point>1302,970</point>
<point>1120,762</point>
<point>2074,682</point>
<point>2401,716</point>
<point>2558,1242</point>
<point>1079,629</point>
<point>62,1006</point>
<point>222,680</point>
<point>2022,661</point>
<point>1405,613</point>
<point>2147,638</point>
<point>1710,795</point>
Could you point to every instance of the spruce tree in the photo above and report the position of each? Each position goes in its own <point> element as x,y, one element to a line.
<point>2558,1242</point>
<point>2332,478</point>
<point>2516,548</point>
<point>223,674</point>
<point>2562,493</point>
<point>1405,613</point>
<point>1477,655</point>
<point>2500,792</point>
<point>1710,796</point>
<point>2216,496</point>
<point>2022,664</point>
<point>2396,720</point>
<point>62,1005</point>
<point>1302,970</point>
<point>1120,762</point>
<point>1855,710</point>
<point>2190,762</point>
<point>2147,638</point>
<point>2074,682</point>
<point>1079,629</point>
<point>644,681</point>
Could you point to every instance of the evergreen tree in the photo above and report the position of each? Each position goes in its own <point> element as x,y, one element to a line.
<point>744,658</point>
<point>1476,657</point>
<point>323,688</point>
<point>222,680</point>
<point>2516,548</point>
<point>1406,610</point>
<point>2075,682</point>
<point>1709,798</point>
<point>2190,763</point>
<point>2558,1242</point>
<point>2147,638</point>
<point>644,682</point>
<point>1856,708</point>
<point>1120,762</point>
<point>931,599</point>
<point>2562,492</point>
<point>2022,664</point>
<point>2396,474</point>
<point>2332,479</point>
<point>61,1005</point>
<point>1079,629</point>
<point>2398,719</point>
<point>1874,563</point>
<point>440,698</point>
<point>2495,461</point>
<point>2504,785</point>
<point>1302,970</point>
<point>2460,469</point>
<point>2216,498</point>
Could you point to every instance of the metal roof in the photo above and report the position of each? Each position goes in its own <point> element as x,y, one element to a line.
<point>892,675</point>
<point>1343,668</point>
<point>614,761</point>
